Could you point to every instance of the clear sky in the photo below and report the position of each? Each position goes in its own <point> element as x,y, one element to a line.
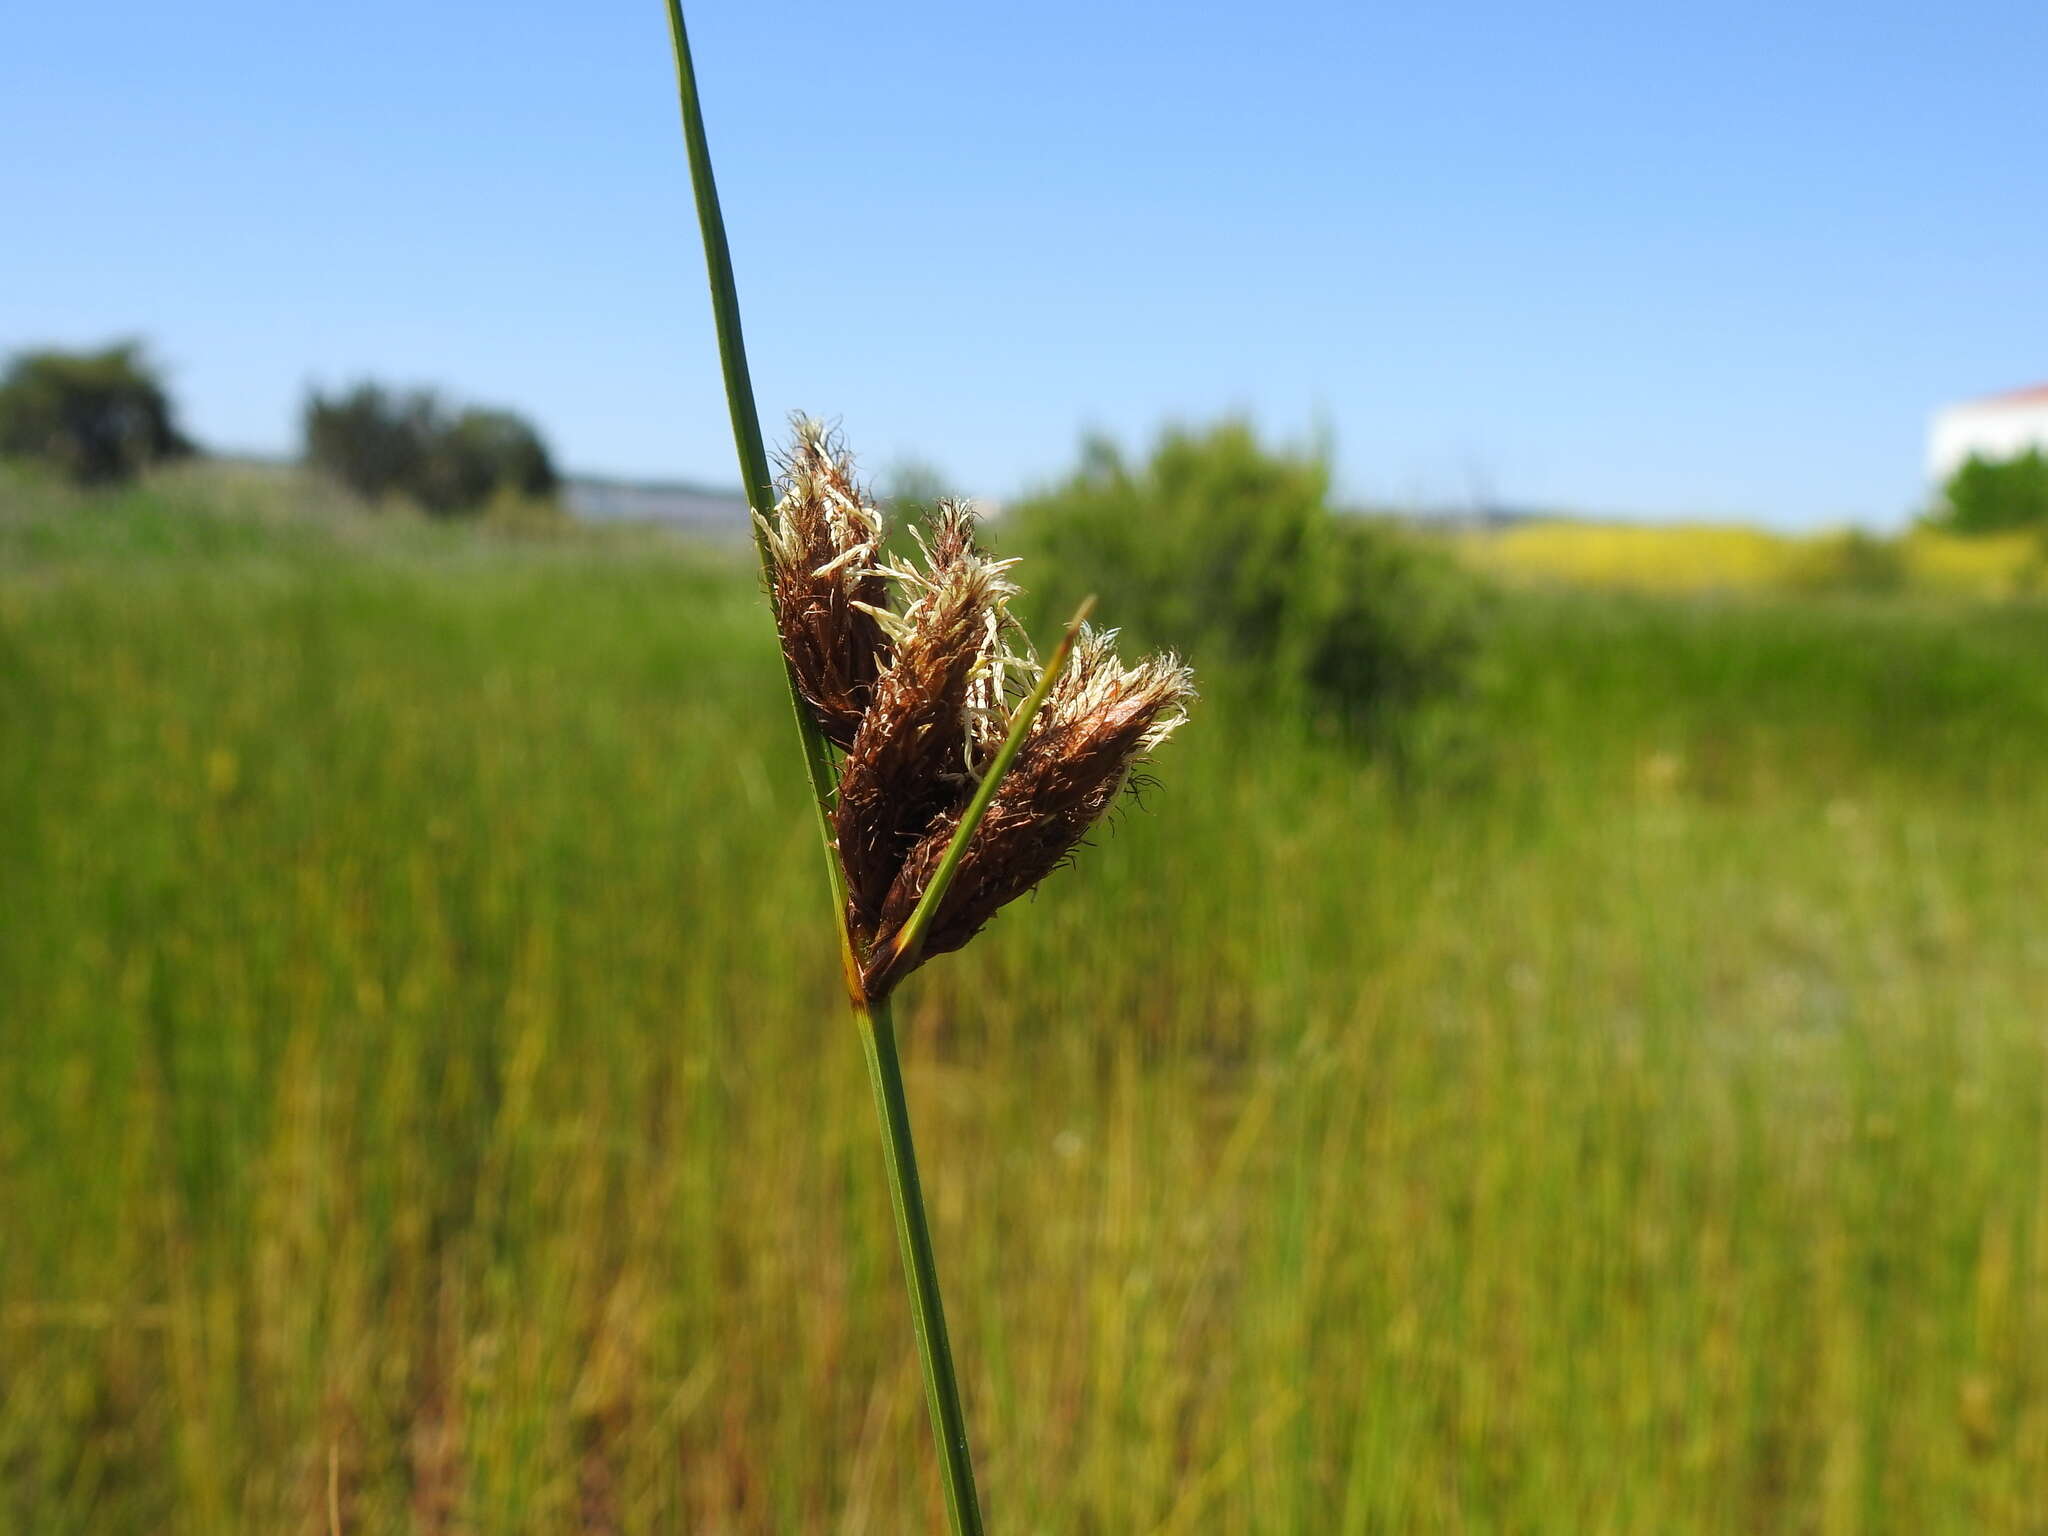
<point>1645,258</point>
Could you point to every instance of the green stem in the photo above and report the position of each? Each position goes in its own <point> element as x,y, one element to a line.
<point>878,1038</point>
<point>753,455</point>
<point>920,1269</point>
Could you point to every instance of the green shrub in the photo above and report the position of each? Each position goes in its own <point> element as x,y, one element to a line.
<point>94,416</point>
<point>1853,560</point>
<point>383,443</point>
<point>1992,495</point>
<point>1232,552</point>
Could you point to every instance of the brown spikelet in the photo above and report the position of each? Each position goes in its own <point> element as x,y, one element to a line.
<point>824,542</point>
<point>1098,722</point>
<point>911,759</point>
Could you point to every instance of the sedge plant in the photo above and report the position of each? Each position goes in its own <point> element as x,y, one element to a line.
<point>950,771</point>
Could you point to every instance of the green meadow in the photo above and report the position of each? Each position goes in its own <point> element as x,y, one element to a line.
<point>427,1101</point>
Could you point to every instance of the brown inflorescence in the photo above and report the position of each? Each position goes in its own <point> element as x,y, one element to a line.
<point>909,760</point>
<point>919,687</point>
<point>1099,721</point>
<point>824,582</point>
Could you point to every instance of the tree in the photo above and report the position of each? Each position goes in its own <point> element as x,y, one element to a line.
<point>381,442</point>
<point>1993,495</point>
<point>96,416</point>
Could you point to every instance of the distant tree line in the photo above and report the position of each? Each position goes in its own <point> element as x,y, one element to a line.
<point>94,417</point>
<point>102,417</point>
<point>383,443</point>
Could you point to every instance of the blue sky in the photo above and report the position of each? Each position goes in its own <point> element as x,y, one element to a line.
<point>1650,259</point>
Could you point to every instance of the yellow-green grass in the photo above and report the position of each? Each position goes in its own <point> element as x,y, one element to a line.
<point>424,1077</point>
<point>1708,557</point>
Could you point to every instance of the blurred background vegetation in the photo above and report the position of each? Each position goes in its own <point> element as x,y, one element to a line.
<point>92,416</point>
<point>1997,495</point>
<point>384,444</point>
<point>1231,552</point>
<point>1565,1056</point>
<point>105,417</point>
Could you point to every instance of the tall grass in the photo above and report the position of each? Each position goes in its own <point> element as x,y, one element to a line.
<point>1645,1133</point>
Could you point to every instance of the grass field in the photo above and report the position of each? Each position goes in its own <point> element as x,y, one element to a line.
<point>424,1086</point>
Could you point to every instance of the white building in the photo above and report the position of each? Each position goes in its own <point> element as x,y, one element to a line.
<point>1995,427</point>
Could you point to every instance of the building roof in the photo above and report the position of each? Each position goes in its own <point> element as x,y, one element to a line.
<point>2036,394</point>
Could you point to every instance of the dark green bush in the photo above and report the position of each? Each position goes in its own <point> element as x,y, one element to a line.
<point>1993,495</point>
<point>383,443</point>
<point>94,416</point>
<point>1231,552</point>
<point>1853,560</point>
